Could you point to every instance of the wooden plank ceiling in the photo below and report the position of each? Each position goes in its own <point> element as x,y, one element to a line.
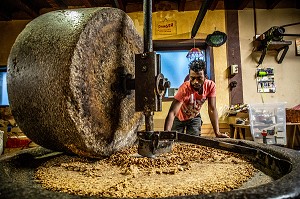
<point>30,9</point>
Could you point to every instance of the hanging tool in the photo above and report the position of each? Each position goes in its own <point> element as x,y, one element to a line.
<point>275,34</point>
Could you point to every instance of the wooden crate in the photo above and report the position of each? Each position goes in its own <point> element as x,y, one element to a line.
<point>292,115</point>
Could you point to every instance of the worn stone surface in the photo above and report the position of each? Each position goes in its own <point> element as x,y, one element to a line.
<point>60,73</point>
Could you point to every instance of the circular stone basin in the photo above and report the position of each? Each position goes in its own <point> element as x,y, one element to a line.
<point>19,178</point>
<point>187,170</point>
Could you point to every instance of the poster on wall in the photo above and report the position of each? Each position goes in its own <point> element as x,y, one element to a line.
<point>265,80</point>
<point>166,27</point>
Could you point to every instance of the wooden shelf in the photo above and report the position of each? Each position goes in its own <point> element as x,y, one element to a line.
<point>273,46</point>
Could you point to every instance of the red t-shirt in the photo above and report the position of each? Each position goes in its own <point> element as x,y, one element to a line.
<point>192,100</point>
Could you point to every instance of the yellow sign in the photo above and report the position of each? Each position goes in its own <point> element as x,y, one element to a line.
<point>166,27</point>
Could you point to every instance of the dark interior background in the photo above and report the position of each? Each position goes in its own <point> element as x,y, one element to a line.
<point>30,9</point>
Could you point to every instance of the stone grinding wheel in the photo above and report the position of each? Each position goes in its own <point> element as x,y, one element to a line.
<point>60,72</point>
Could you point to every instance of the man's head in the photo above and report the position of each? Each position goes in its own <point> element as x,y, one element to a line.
<point>197,73</point>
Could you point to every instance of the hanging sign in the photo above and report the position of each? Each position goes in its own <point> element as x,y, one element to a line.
<point>167,27</point>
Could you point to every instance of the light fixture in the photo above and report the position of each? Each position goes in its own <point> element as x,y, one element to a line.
<point>216,39</point>
<point>194,53</point>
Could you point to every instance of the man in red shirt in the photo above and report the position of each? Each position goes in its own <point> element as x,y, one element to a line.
<point>184,112</point>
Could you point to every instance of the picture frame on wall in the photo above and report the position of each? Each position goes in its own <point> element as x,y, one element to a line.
<point>297,43</point>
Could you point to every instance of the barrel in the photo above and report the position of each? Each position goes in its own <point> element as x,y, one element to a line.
<point>61,71</point>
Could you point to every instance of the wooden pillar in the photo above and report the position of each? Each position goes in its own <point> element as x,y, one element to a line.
<point>234,57</point>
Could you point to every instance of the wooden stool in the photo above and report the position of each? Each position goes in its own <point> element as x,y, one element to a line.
<point>240,131</point>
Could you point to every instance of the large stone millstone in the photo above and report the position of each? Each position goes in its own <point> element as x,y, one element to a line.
<point>60,72</point>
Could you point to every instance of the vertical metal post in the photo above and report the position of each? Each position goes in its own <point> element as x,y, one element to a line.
<point>255,21</point>
<point>149,126</point>
<point>147,7</point>
<point>148,47</point>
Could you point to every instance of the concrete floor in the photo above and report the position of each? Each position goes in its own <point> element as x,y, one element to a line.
<point>14,150</point>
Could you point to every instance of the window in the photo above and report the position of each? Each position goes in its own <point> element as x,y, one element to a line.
<point>3,87</point>
<point>174,64</point>
<point>174,67</point>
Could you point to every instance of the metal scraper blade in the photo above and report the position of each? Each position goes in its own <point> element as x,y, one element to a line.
<point>152,144</point>
<point>146,149</point>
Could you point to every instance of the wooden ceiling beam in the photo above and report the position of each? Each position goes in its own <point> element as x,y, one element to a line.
<point>120,4</point>
<point>88,3</point>
<point>46,10</point>
<point>56,5</point>
<point>153,5</point>
<point>243,4</point>
<point>4,16</point>
<point>181,5</point>
<point>236,4</point>
<point>5,13</point>
<point>26,8</point>
<point>298,4</point>
<point>231,4</point>
<point>272,3</point>
<point>213,5</point>
<point>53,4</point>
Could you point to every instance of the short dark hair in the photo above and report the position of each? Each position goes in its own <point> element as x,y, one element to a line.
<point>197,65</point>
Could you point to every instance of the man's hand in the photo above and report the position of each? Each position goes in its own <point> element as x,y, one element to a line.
<point>222,135</point>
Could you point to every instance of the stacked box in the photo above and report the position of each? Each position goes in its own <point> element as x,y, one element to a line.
<point>268,123</point>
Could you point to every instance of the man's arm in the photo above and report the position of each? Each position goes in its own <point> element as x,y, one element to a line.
<point>175,106</point>
<point>213,116</point>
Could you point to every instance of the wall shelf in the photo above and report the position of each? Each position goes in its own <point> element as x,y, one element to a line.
<point>273,46</point>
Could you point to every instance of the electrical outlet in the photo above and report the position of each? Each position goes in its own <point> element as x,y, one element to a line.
<point>234,69</point>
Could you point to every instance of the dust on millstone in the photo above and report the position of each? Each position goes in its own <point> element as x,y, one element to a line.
<point>187,170</point>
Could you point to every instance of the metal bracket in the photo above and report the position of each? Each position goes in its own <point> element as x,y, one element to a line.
<point>261,45</point>
<point>285,49</point>
<point>264,52</point>
<point>155,143</point>
<point>150,84</point>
